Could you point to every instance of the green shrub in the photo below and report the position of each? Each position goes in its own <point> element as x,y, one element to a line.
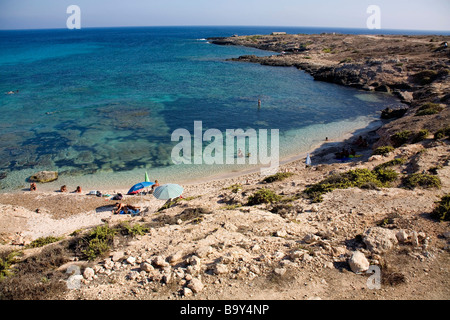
<point>40,242</point>
<point>326,50</point>
<point>134,230</point>
<point>169,203</point>
<point>442,133</point>
<point>383,150</point>
<point>442,211</point>
<point>392,163</point>
<point>99,241</point>
<point>400,138</point>
<point>361,178</point>
<point>278,177</point>
<point>428,109</point>
<point>421,135</point>
<point>235,187</point>
<point>425,77</point>
<point>386,175</point>
<point>426,181</point>
<point>263,196</point>
<point>6,261</point>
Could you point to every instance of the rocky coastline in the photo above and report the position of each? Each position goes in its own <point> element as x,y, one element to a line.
<point>414,68</point>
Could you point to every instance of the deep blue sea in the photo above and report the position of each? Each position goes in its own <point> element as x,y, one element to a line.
<point>100,105</point>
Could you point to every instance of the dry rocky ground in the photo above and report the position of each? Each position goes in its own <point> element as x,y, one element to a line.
<point>214,245</point>
<point>210,247</point>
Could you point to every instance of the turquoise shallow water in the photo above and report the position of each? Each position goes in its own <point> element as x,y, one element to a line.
<point>100,105</point>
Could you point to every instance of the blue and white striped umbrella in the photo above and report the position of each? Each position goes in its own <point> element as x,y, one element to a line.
<point>168,191</point>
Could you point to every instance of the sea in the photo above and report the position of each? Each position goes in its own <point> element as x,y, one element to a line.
<point>100,105</point>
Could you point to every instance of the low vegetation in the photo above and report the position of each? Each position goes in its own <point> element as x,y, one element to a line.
<point>263,196</point>
<point>429,109</point>
<point>442,133</point>
<point>391,163</point>
<point>400,138</point>
<point>280,176</point>
<point>383,151</point>
<point>442,211</point>
<point>421,135</point>
<point>40,242</point>
<point>426,181</point>
<point>360,178</point>
<point>6,261</point>
<point>235,188</point>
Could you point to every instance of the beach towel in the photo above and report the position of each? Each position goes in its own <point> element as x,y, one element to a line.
<point>132,212</point>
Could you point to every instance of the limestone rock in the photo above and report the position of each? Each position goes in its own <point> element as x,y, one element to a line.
<point>131,260</point>
<point>159,262</point>
<point>310,238</point>
<point>195,285</point>
<point>44,176</point>
<point>147,267</point>
<point>117,256</point>
<point>280,271</point>
<point>204,251</point>
<point>220,268</point>
<point>379,239</point>
<point>187,292</point>
<point>358,262</point>
<point>176,257</point>
<point>88,273</point>
<point>402,236</point>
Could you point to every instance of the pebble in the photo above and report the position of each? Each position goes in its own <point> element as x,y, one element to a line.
<point>195,285</point>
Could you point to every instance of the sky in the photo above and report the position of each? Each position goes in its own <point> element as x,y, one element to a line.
<point>429,15</point>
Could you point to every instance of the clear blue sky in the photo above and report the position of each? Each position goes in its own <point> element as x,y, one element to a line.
<point>395,14</point>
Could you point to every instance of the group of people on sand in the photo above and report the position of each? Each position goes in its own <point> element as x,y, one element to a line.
<point>63,188</point>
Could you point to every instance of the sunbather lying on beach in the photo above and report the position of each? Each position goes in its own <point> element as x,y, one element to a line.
<point>125,208</point>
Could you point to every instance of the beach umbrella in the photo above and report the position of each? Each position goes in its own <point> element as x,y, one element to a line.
<point>168,191</point>
<point>146,177</point>
<point>308,160</point>
<point>139,186</point>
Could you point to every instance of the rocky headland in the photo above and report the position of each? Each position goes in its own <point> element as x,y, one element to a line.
<point>414,68</point>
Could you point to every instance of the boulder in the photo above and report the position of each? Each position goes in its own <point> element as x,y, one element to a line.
<point>311,238</point>
<point>159,262</point>
<point>44,176</point>
<point>147,267</point>
<point>88,273</point>
<point>358,262</point>
<point>402,236</point>
<point>204,251</point>
<point>195,285</point>
<point>379,239</point>
<point>117,256</point>
<point>220,268</point>
<point>131,260</point>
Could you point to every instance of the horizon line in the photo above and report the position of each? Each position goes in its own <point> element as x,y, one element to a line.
<point>240,26</point>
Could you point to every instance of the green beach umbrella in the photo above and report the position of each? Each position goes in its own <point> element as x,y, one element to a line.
<point>168,191</point>
<point>146,177</point>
